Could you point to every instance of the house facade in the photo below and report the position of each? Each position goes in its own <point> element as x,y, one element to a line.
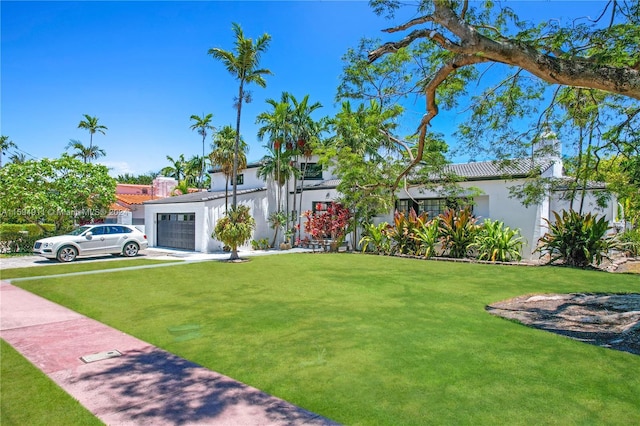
<point>187,221</point>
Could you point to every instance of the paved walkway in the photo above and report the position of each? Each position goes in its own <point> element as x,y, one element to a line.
<point>144,386</point>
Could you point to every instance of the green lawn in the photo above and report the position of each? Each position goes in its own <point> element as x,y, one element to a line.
<point>374,340</point>
<point>29,397</point>
<point>79,266</point>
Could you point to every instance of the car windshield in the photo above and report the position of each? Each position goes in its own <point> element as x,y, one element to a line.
<point>79,230</point>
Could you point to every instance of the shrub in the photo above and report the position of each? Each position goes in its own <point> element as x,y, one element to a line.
<point>403,234</point>
<point>630,241</point>
<point>261,244</point>
<point>375,238</point>
<point>498,243</point>
<point>457,232</point>
<point>20,238</point>
<point>328,225</point>
<point>235,229</point>
<point>577,240</point>
<point>427,237</point>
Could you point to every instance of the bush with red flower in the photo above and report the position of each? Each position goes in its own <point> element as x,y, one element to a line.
<point>330,226</point>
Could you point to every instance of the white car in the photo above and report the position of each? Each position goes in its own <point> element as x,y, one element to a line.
<point>92,240</point>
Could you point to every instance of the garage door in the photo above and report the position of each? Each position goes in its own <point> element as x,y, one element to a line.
<point>177,230</point>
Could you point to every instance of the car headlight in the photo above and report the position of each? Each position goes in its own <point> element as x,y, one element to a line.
<point>45,245</point>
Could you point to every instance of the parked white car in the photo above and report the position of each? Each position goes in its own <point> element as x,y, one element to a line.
<point>92,240</point>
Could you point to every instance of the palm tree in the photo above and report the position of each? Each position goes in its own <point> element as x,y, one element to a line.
<point>87,153</point>
<point>306,132</point>
<point>18,158</point>
<point>91,124</point>
<point>276,124</point>
<point>243,63</point>
<point>280,168</point>
<point>177,168</point>
<point>223,155</point>
<point>202,124</point>
<point>5,144</point>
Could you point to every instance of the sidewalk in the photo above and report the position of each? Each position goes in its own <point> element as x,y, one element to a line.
<point>144,386</point>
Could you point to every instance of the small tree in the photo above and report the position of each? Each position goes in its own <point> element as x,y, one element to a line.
<point>235,229</point>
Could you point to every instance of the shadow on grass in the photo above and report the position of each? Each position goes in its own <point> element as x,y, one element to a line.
<point>156,387</point>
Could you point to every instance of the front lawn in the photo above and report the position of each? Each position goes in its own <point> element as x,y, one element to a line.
<point>67,268</point>
<point>373,340</point>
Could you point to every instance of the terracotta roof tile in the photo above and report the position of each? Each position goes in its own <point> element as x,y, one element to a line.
<point>134,198</point>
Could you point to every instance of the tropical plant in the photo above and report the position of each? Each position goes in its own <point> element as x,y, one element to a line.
<point>630,241</point>
<point>280,168</point>
<point>192,168</point>
<point>17,158</point>
<point>375,238</point>
<point>177,168</point>
<point>86,153</point>
<point>457,231</point>
<point>5,144</point>
<point>261,244</point>
<point>143,179</point>
<point>181,188</point>
<point>578,240</point>
<point>427,235</point>
<point>235,229</point>
<point>223,156</point>
<point>91,124</point>
<point>497,243</point>
<point>202,124</point>
<point>277,220</point>
<point>329,226</point>
<point>243,64</point>
<point>403,234</point>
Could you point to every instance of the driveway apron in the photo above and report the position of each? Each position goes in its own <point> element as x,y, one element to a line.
<point>144,385</point>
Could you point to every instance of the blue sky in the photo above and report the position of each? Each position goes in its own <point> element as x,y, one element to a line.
<point>142,67</point>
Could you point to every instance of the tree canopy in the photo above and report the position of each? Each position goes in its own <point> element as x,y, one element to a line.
<point>63,191</point>
<point>517,73</point>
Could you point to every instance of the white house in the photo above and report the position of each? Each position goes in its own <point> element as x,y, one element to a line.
<point>187,221</point>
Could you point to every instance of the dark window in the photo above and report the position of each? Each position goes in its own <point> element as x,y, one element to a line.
<point>433,206</point>
<point>145,191</point>
<point>313,171</point>
<point>240,179</point>
<point>99,230</point>
<point>320,206</point>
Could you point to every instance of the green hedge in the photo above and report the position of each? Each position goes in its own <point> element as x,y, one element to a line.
<point>19,238</point>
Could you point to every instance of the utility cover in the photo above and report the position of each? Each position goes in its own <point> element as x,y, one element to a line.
<point>100,356</point>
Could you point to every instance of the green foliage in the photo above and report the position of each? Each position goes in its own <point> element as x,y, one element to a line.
<point>143,179</point>
<point>376,239</point>
<point>19,238</point>
<point>576,239</point>
<point>428,236</point>
<point>261,244</point>
<point>497,243</point>
<point>457,231</point>
<point>630,241</point>
<point>62,191</point>
<point>235,228</point>
<point>403,234</point>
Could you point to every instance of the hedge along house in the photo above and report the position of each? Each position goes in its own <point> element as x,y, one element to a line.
<point>187,221</point>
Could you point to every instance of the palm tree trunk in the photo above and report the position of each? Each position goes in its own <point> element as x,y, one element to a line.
<point>304,172</point>
<point>236,147</point>
<point>202,162</point>
<point>226,194</point>
<point>275,236</point>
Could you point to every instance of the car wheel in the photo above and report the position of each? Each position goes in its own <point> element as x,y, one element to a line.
<point>130,249</point>
<point>67,254</point>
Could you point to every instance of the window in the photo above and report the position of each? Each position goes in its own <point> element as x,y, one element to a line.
<point>432,206</point>
<point>239,179</point>
<point>313,171</point>
<point>145,191</point>
<point>320,206</point>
